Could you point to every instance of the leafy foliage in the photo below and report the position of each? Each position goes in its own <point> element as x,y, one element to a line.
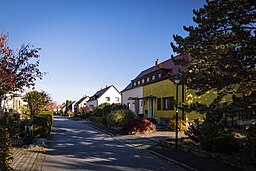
<point>5,145</point>
<point>42,125</point>
<point>138,126</point>
<point>193,131</point>
<point>217,138</point>
<point>119,117</point>
<point>181,124</point>
<point>250,144</point>
<point>37,101</point>
<point>222,47</point>
<point>19,69</point>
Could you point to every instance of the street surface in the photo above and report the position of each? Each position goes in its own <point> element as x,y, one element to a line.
<point>77,146</point>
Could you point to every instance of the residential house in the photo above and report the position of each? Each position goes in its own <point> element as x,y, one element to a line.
<point>81,104</point>
<point>107,95</point>
<point>154,95</point>
<point>14,101</point>
<point>132,97</point>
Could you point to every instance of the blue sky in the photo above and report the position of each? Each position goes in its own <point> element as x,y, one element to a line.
<point>88,44</point>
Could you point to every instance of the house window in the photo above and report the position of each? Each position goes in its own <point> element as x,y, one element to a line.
<point>117,99</point>
<point>138,82</point>
<point>134,84</point>
<point>107,99</point>
<point>153,77</point>
<point>142,81</point>
<point>159,104</point>
<point>159,75</point>
<point>148,79</point>
<point>168,103</point>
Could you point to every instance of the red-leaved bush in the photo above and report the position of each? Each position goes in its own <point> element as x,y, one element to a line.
<point>138,126</point>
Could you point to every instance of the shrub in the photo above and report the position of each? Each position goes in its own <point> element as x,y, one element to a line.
<point>119,117</point>
<point>101,111</point>
<point>181,124</point>
<point>116,107</point>
<point>138,126</point>
<point>250,144</point>
<point>99,120</point>
<point>42,125</point>
<point>83,115</point>
<point>70,114</point>
<point>217,138</point>
<point>49,113</point>
<point>193,131</point>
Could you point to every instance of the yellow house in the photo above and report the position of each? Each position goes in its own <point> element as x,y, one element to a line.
<point>158,97</point>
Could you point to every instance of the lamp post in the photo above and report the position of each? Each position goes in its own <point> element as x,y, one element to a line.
<point>177,81</point>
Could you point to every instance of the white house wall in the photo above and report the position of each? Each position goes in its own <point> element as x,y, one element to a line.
<point>112,93</point>
<point>93,103</point>
<point>135,92</point>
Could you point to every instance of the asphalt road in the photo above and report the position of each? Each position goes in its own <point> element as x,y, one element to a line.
<point>77,146</point>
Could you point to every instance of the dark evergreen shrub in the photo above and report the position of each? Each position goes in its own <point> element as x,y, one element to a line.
<point>193,131</point>
<point>250,144</point>
<point>217,138</point>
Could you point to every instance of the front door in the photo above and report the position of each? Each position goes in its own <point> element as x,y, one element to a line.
<point>150,108</point>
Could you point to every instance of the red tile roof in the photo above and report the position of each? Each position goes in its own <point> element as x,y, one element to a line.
<point>168,64</point>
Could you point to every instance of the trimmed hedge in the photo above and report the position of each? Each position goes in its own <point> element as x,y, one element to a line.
<point>120,117</point>
<point>42,125</point>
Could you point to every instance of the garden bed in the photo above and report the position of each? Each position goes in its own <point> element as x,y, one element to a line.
<point>186,145</point>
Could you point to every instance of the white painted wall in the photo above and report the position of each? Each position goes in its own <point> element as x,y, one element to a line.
<point>93,103</point>
<point>135,92</point>
<point>113,94</point>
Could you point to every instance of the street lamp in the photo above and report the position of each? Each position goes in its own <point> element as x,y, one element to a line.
<point>177,79</point>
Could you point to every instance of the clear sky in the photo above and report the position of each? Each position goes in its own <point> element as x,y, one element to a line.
<point>88,44</point>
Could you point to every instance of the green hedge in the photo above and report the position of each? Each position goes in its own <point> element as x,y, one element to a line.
<point>120,117</point>
<point>42,125</point>
<point>48,112</point>
<point>100,120</point>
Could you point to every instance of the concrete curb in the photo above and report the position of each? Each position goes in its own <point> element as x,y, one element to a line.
<point>167,159</point>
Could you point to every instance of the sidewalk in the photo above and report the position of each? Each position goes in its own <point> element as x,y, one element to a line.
<point>26,159</point>
<point>150,143</point>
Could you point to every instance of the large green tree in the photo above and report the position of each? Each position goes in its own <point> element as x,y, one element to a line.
<point>222,45</point>
<point>37,101</point>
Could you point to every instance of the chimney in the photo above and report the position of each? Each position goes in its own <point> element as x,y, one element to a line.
<point>157,62</point>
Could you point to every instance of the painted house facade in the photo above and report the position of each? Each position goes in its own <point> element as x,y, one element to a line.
<point>81,104</point>
<point>158,96</point>
<point>107,95</point>
<point>14,101</point>
<point>132,98</point>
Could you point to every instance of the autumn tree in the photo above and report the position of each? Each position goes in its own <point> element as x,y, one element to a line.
<point>18,69</point>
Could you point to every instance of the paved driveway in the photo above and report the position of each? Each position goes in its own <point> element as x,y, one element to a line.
<point>76,146</point>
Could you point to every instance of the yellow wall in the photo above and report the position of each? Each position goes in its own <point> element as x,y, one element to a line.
<point>160,89</point>
<point>166,88</point>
